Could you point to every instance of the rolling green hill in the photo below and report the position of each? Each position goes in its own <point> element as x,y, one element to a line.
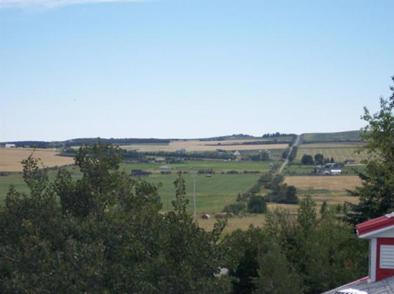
<point>349,136</point>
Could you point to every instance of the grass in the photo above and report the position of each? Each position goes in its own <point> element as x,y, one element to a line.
<point>217,166</point>
<point>212,193</point>
<point>332,137</point>
<point>339,153</point>
<point>298,169</point>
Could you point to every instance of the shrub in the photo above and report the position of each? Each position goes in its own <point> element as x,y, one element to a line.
<point>235,208</point>
<point>307,159</point>
<point>256,204</point>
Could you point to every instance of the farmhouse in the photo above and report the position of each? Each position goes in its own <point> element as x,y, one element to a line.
<point>9,145</point>
<point>380,233</point>
<point>329,169</point>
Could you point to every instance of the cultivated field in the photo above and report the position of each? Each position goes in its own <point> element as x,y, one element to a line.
<point>197,145</point>
<point>212,193</point>
<point>350,136</point>
<point>332,189</point>
<point>333,183</point>
<point>340,152</point>
<point>195,165</point>
<point>10,158</point>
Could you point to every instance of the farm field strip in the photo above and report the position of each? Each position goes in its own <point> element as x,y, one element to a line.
<point>196,145</point>
<point>332,183</point>
<point>332,145</point>
<point>340,154</point>
<point>212,193</point>
<point>10,158</point>
<point>217,166</point>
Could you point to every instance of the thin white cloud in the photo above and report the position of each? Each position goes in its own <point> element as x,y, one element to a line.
<point>54,3</point>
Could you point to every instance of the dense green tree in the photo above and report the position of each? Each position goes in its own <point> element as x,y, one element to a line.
<point>376,194</point>
<point>307,159</point>
<point>256,204</point>
<point>275,274</point>
<point>323,250</point>
<point>103,233</point>
<point>319,158</point>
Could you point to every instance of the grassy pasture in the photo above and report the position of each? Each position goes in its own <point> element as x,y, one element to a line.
<point>10,158</point>
<point>216,165</point>
<point>212,193</point>
<point>350,136</point>
<point>340,152</point>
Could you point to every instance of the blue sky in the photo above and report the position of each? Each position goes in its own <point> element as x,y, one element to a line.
<point>190,68</point>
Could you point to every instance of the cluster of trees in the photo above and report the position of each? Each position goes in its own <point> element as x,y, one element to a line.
<point>262,155</point>
<point>293,153</point>
<point>317,159</point>
<point>103,233</point>
<point>306,253</point>
<point>277,192</point>
<point>133,155</point>
<point>115,141</point>
<point>276,134</point>
<point>376,194</point>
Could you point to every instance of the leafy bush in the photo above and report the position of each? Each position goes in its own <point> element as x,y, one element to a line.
<point>256,204</point>
<point>307,159</point>
<point>235,208</point>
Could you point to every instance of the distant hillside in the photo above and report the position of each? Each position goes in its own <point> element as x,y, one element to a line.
<point>274,137</point>
<point>86,141</point>
<point>349,136</point>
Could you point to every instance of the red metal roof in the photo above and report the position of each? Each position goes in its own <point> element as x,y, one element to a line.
<point>375,224</point>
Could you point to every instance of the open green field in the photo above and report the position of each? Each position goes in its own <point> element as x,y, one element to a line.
<point>212,193</point>
<point>340,152</point>
<point>350,136</point>
<point>217,166</point>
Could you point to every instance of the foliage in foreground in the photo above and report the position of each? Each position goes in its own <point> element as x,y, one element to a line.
<point>295,254</point>
<point>102,233</point>
<point>376,194</point>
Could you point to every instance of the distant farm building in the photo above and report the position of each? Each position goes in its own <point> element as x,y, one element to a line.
<point>237,155</point>
<point>9,145</point>
<point>329,169</point>
<point>165,169</point>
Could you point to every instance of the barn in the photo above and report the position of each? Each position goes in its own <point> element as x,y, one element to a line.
<point>380,279</point>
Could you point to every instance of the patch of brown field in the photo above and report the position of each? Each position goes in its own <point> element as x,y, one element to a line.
<point>258,220</point>
<point>196,145</point>
<point>290,207</point>
<point>332,183</point>
<point>10,158</point>
<point>234,223</point>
